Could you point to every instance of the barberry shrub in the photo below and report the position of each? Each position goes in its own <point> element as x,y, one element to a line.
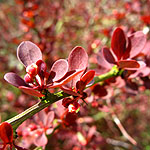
<point>94,99</point>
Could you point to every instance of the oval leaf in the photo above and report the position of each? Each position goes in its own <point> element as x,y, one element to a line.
<point>14,79</point>
<point>88,76</point>
<point>59,69</point>
<point>118,42</point>
<point>85,79</point>
<point>69,91</point>
<point>138,41</point>
<point>102,61</point>
<point>78,59</point>
<point>6,132</point>
<point>28,53</point>
<point>30,91</point>
<point>146,49</point>
<point>108,55</point>
<point>129,64</point>
<point>142,72</point>
<point>67,78</point>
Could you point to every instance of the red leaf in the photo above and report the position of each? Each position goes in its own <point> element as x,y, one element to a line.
<point>101,60</point>
<point>146,49</point>
<point>138,41</point>
<point>108,55</point>
<point>28,53</point>
<point>30,91</point>
<point>14,79</point>
<point>129,64</point>
<point>41,68</point>
<point>69,91</point>
<point>99,90</point>
<point>88,76</point>
<point>85,79</point>
<point>59,68</point>
<point>142,72</point>
<point>118,43</point>
<point>67,78</point>
<point>78,59</point>
<point>6,132</point>
<point>70,118</point>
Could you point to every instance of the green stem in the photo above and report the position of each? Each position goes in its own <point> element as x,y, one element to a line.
<point>50,98</point>
<point>112,73</point>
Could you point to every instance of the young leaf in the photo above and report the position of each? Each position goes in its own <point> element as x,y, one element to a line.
<point>6,132</point>
<point>67,78</point>
<point>129,64</point>
<point>15,80</point>
<point>101,60</point>
<point>30,91</point>
<point>118,43</point>
<point>138,41</point>
<point>78,59</point>
<point>108,55</point>
<point>60,68</point>
<point>88,76</point>
<point>28,53</point>
<point>85,79</point>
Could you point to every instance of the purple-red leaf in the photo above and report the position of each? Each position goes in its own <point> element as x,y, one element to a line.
<point>146,49</point>
<point>14,79</point>
<point>28,53</point>
<point>108,55</point>
<point>88,76</point>
<point>69,91</point>
<point>41,68</point>
<point>142,72</point>
<point>59,69</point>
<point>102,61</point>
<point>118,43</point>
<point>138,41</point>
<point>30,91</point>
<point>67,78</point>
<point>78,59</point>
<point>129,64</point>
<point>85,79</point>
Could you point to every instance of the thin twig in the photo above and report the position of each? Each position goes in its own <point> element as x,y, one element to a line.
<point>123,131</point>
<point>120,126</point>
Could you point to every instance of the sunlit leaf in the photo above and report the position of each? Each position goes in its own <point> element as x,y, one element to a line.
<point>28,53</point>
<point>14,79</point>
